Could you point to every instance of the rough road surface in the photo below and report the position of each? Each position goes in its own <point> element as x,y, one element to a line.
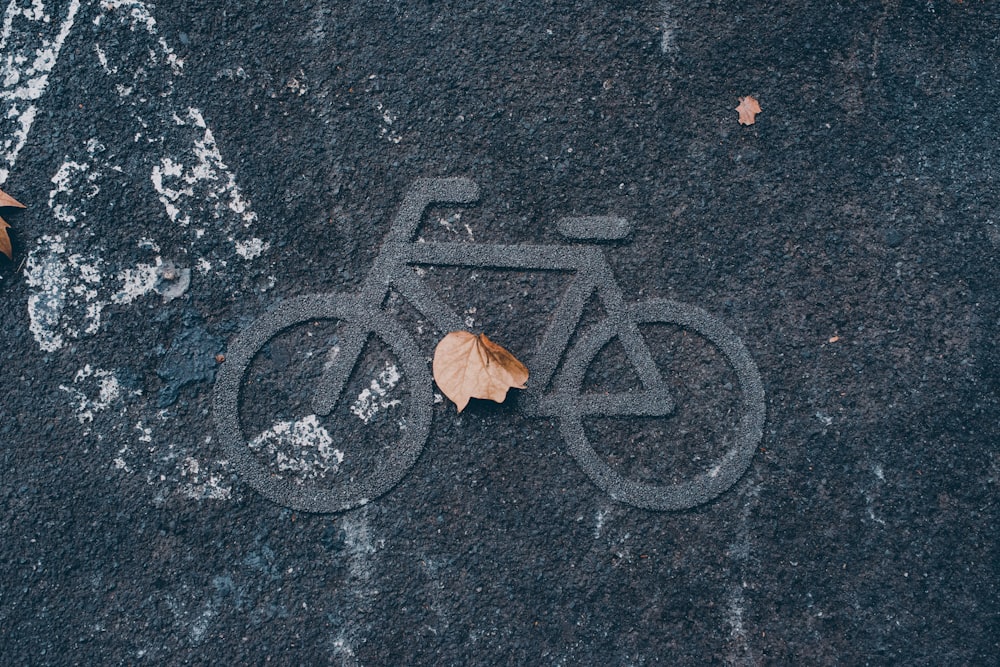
<point>189,166</point>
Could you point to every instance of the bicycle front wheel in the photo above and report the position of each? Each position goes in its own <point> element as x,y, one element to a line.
<point>714,474</point>
<point>358,325</point>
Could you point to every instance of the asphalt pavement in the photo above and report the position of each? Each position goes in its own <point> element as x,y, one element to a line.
<point>762,418</point>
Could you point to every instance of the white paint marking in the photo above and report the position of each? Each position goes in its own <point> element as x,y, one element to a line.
<point>737,633</point>
<point>63,282</point>
<point>303,447</point>
<point>145,434</point>
<point>197,487</point>
<point>103,59</point>
<point>599,522</point>
<point>373,399</point>
<point>136,282</point>
<point>740,551</point>
<point>250,249</point>
<point>870,494</point>
<point>207,179</point>
<point>388,118</point>
<point>24,72</point>
<point>67,178</point>
<point>359,593</point>
<point>470,320</point>
<point>66,302</point>
<point>668,31</point>
<point>200,625</point>
<point>46,272</point>
<point>108,390</point>
<point>138,15</point>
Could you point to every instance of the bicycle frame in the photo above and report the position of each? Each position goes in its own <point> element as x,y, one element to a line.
<point>556,385</point>
<point>592,273</point>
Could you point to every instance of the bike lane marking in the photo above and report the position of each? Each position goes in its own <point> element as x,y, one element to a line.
<point>565,400</point>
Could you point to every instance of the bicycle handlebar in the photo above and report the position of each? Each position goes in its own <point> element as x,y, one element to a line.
<point>423,193</point>
<point>461,190</point>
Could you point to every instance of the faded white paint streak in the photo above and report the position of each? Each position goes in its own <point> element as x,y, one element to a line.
<point>183,185</point>
<point>62,282</point>
<point>303,448</point>
<point>44,271</point>
<point>375,397</point>
<point>66,204</point>
<point>89,400</point>
<point>24,71</point>
<point>199,485</point>
<point>359,594</point>
<point>68,292</point>
<point>740,650</point>
<point>668,31</point>
<point>599,522</point>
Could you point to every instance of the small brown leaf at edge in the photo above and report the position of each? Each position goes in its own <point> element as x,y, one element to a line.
<point>748,108</point>
<point>5,247</point>
<point>469,366</point>
<point>7,200</point>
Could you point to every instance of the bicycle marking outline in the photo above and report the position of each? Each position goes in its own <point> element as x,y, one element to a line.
<point>364,317</point>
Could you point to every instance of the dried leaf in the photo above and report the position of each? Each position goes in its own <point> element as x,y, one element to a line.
<point>7,200</point>
<point>748,108</point>
<point>5,240</point>
<point>5,247</point>
<point>470,366</point>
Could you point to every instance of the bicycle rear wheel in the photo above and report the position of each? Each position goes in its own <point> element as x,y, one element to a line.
<point>727,469</point>
<point>362,322</point>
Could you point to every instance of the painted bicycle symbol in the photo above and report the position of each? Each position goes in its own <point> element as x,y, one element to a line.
<point>555,390</point>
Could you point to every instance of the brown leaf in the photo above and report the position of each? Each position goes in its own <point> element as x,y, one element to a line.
<point>748,108</point>
<point>7,200</point>
<point>5,248</point>
<point>5,240</point>
<point>470,366</point>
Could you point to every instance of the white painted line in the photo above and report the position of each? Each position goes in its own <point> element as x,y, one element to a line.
<point>668,31</point>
